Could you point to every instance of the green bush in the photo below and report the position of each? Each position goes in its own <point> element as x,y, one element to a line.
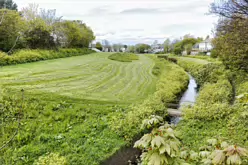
<point>124,57</point>
<point>27,56</point>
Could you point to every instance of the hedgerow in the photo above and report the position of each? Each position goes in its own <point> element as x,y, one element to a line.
<point>27,56</point>
<point>172,81</point>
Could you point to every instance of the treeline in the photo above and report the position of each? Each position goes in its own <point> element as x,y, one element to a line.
<point>34,28</point>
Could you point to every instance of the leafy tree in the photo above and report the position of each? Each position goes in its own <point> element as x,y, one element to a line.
<point>131,49</point>
<point>185,43</point>
<point>231,43</point>
<point>99,46</point>
<point>142,48</point>
<point>231,40</point>
<point>167,45</point>
<point>38,36</point>
<point>188,48</point>
<point>178,48</point>
<point>8,4</point>
<point>11,28</point>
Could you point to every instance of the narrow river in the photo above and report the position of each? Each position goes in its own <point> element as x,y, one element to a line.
<point>188,98</point>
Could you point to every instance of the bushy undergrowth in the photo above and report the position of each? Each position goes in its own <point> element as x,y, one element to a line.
<point>27,56</point>
<point>77,132</point>
<point>173,80</point>
<point>213,115</point>
<point>124,57</point>
<point>202,57</point>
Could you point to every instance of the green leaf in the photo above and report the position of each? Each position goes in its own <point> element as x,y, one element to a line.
<point>184,154</point>
<point>206,161</point>
<point>193,155</point>
<point>164,148</point>
<point>157,159</point>
<point>144,142</point>
<point>204,154</point>
<point>224,144</point>
<point>157,141</point>
<point>212,142</point>
<point>234,159</point>
<point>170,132</point>
<point>218,157</point>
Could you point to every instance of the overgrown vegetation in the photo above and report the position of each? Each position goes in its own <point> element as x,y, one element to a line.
<point>124,57</point>
<point>162,146</point>
<point>213,115</point>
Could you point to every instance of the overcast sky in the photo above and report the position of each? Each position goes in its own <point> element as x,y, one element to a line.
<point>135,21</point>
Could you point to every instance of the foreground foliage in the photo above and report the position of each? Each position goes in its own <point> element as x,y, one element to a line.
<point>162,147</point>
<point>124,57</point>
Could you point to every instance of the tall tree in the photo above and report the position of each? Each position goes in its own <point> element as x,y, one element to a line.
<point>167,45</point>
<point>11,28</point>
<point>231,38</point>
<point>230,8</point>
<point>99,46</point>
<point>8,4</point>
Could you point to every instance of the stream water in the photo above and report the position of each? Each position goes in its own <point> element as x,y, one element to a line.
<point>188,98</point>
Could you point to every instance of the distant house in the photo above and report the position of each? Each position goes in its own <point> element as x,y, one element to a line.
<point>202,47</point>
<point>157,48</point>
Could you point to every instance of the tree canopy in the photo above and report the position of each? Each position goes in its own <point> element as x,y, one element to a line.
<point>36,28</point>
<point>8,4</point>
<point>231,37</point>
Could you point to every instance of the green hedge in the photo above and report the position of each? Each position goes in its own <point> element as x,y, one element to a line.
<point>27,56</point>
<point>172,81</point>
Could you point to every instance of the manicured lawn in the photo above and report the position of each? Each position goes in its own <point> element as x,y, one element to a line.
<point>89,77</point>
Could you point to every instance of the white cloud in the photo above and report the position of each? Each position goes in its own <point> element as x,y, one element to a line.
<point>135,21</point>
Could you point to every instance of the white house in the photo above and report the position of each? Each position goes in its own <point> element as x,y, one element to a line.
<point>206,46</point>
<point>203,47</point>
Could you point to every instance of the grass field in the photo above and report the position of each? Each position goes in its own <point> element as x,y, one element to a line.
<point>89,77</point>
<point>69,105</point>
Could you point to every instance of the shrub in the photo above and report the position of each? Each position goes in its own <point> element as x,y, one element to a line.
<point>124,57</point>
<point>27,56</point>
<point>172,60</point>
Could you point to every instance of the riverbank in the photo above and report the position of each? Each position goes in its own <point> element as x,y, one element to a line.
<point>214,114</point>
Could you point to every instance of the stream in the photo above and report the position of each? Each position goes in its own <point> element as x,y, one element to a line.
<point>187,99</point>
